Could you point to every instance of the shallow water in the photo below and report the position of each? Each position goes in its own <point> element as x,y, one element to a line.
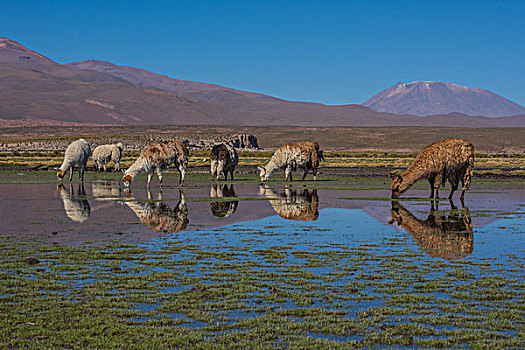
<point>312,256</point>
<point>102,211</point>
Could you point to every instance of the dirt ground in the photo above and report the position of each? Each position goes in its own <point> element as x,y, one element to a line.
<point>354,139</point>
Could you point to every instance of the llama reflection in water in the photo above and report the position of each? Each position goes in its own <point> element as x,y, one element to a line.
<point>446,235</point>
<point>222,209</point>
<point>293,204</point>
<point>77,207</point>
<point>157,215</point>
<point>106,190</point>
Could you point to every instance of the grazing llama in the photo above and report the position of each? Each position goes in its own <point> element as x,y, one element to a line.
<point>293,156</point>
<point>159,156</point>
<point>449,159</point>
<point>77,152</point>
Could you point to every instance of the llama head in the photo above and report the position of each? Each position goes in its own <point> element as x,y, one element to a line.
<point>395,187</point>
<point>263,174</point>
<point>127,180</point>
<point>60,174</point>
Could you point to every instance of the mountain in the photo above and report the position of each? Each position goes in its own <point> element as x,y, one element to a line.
<point>425,98</point>
<point>255,108</point>
<point>35,90</point>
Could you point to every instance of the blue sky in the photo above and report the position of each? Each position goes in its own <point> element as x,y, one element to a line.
<point>334,52</point>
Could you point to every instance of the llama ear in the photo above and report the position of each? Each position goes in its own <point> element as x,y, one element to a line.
<point>123,171</point>
<point>261,168</point>
<point>399,178</point>
<point>56,168</point>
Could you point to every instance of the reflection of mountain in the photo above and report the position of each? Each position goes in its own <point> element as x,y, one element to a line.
<point>158,216</point>
<point>292,204</point>
<point>77,207</point>
<point>223,209</point>
<point>444,235</point>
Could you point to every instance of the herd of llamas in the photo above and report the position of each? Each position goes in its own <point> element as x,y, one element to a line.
<point>450,159</point>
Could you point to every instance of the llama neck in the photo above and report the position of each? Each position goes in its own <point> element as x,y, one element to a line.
<point>66,165</point>
<point>140,165</point>
<point>273,165</point>
<point>410,176</point>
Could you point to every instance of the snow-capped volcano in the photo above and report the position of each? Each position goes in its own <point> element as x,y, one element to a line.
<point>433,97</point>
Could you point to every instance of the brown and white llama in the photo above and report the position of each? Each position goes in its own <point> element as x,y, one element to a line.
<point>449,159</point>
<point>158,156</point>
<point>292,156</point>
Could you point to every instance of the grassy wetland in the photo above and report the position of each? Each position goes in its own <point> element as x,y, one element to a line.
<point>327,264</point>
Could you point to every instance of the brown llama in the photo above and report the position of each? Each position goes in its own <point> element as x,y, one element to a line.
<point>449,159</point>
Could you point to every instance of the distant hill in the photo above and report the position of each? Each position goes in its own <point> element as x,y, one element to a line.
<point>34,90</point>
<point>425,98</point>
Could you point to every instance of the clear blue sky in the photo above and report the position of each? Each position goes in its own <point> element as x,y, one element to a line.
<point>334,52</point>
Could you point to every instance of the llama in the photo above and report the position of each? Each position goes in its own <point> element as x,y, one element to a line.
<point>293,205</point>
<point>77,152</point>
<point>77,207</point>
<point>224,159</point>
<point>222,208</point>
<point>445,236</point>
<point>158,156</point>
<point>157,215</point>
<point>449,159</point>
<point>104,154</point>
<point>290,156</point>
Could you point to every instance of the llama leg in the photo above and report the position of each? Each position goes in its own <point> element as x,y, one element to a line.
<point>314,171</point>
<point>465,182</point>
<point>231,174</point>
<point>304,174</point>
<point>287,174</point>
<point>438,181</point>
<point>182,175</point>
<point>81,173</point>
<point>71,170</point>
<point>150,176</point>
<point>431,181</point>
<point>159,174</point>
